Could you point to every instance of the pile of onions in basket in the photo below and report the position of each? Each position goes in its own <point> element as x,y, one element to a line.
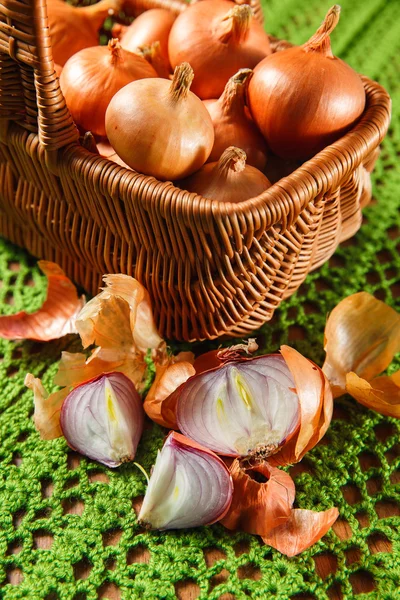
<point>279,108</point>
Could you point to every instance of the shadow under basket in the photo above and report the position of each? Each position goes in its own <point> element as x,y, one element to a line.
<point>210,268</point>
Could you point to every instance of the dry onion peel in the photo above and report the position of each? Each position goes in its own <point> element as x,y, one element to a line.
<point>159,403</point>
<point>244,407</point>
<point>97,328</point>
<point>316,406</point>
<point>381,393</point>
<point>303,529</point>
<point>258,507</point>
<point>189,486</point>
<point>362,334</point>
<point>47,408</point>
<point>103,419</point>
<point>55,318</point>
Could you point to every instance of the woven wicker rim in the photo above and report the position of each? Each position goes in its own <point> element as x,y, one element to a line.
<point>286,198</point>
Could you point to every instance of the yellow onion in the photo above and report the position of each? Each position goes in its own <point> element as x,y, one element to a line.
<point>304,98</point>
<point>74,28</point>
<point>93,76</point>
<point>229,179</point>
<point>217,38</point>
<point>233,125</point>
<point>152,53</point>
<point>151,26</point>
<point>159,127</point>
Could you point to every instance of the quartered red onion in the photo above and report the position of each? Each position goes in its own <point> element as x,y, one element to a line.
<point>103,419</point>
<point>189,487</point>
<point>242,408</point>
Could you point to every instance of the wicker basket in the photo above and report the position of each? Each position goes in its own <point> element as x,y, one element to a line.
<point>210,268</point>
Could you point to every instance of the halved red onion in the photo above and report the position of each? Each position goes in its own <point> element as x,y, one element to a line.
<point>189,487</point>
<point>242,408</point>
<point>103,419</point>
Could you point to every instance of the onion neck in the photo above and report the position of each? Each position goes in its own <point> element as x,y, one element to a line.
<point>233,160</point>
<point>233,98</point>
<point>320,41</point>
<point>152,53</point>
<point>115,51</point>
<point>235,26</point>
<point>97,13</point>
<point>181,82</point>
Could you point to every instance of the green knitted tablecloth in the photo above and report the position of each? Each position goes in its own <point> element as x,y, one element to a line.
<point>68,525</point>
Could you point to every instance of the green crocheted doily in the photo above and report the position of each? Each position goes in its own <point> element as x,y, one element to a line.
<point>68,526</point>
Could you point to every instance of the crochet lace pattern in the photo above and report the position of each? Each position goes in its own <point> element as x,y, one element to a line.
<point>68,526</point>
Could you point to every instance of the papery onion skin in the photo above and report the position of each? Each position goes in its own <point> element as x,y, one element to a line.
<point>151,26</point>
<point>92,77</point>
<point>228,180</point>
<point>303,98</point>
<point>303,529</point>
<point>233,409</point>
<point>159,127</point>
<point>55,318</point>
<point>159,403</point>
<point>362,335</point>
<point>47,408</point>
<point>103,419</point>
<point>259,507</point>
<point>316,407</point>
<point>233,125</point>
<point>189,487</point>
<point>381,394</point>
<point>73,28</point>
<point>201,36</point>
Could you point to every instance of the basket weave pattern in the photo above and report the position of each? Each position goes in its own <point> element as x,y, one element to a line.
<point>210,268</point>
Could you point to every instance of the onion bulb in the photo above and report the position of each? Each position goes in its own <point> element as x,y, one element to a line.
<point>160,127</point>
<point>273,406</point>
<point>233,125</point>
<point>93,76</point>
<point>103,419</point>
<point>151,26</point>
<point>152,53</point>
<point>217,38</point>
<point>228,180</point>
<point>189,486</point>
<point>241,408</point>
<point>304,98</point>
<point>74,28</point>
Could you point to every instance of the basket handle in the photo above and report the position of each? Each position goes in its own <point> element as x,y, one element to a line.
<point>29,87</point>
